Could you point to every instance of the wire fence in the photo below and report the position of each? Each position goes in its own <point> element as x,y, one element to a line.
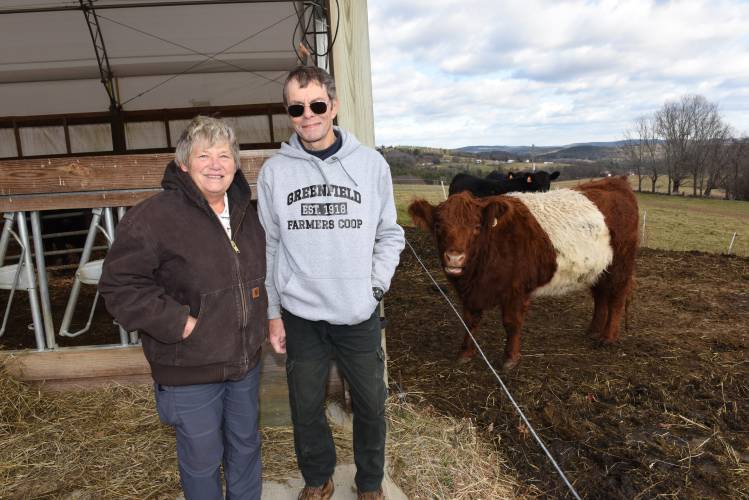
<point>501,383</point>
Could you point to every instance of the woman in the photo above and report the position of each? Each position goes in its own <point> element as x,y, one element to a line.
<point>186,270</point>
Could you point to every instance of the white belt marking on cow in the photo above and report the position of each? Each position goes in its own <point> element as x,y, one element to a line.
<point>579,234</point>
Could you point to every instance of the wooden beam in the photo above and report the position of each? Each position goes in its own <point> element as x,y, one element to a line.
<point>64,201</point>
<point>79,368</point>
<point>93,181</point>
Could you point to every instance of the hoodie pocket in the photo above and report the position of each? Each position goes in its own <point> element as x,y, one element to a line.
<point>338,301</point>
<point>216,337</point>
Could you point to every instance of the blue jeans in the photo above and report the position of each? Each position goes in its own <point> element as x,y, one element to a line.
<point>358,353</point>
<point>215,424</point>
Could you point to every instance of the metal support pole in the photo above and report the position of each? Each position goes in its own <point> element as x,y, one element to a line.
<point>41,271</point>
<point>67,317</point>
<point>109,226</point>
<point>5,235</point>
<point>36,315</point>
<point>134,340</point>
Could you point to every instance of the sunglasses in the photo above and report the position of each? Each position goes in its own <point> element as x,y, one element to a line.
<point>317,107</point>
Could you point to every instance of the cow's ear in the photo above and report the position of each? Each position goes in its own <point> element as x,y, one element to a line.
<point>554,175</point>
<point>422,214</point>
<point>529,179</point>
<point>495,214</point>
<point>510,175</point>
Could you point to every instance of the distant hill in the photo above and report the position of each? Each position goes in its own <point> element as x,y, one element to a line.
<point>583,153</point>
<point>513,150</point>
<point>576,151</point>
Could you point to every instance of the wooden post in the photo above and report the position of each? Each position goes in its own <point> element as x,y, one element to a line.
<point>353,78</point>
<point>730,245</point>
<point>352,70</point>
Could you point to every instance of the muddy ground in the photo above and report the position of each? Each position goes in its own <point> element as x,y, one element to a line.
<point>665,412</point>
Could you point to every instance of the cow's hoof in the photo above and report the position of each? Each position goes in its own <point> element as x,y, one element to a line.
<point>510,365</point>
<point>464,359</point>
<point>605,342</point>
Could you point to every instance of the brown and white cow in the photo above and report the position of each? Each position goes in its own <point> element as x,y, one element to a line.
<point>505,250</point>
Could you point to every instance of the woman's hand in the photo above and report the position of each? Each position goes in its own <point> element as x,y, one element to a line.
<point>189,325</point>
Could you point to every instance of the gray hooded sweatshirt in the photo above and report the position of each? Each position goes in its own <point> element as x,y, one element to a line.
<point>331,231</point>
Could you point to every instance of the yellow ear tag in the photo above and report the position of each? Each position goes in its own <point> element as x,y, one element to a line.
<point>494,223</point>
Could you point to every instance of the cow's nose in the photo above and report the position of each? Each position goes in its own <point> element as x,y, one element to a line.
<point>455,259</point>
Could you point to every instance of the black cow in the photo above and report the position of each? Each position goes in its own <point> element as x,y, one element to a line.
<point>482,188</point>
<point>537,181</point>
<point>541,180</point>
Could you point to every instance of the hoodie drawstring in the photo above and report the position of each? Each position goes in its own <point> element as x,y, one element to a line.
<point>344,169</point>
<point>322,172</point>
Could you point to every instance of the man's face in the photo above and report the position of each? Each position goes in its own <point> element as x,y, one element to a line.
<point>211,168</point>
<point>315,131</point>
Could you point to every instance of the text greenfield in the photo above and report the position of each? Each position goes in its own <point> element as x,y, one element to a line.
<point>323,190</point>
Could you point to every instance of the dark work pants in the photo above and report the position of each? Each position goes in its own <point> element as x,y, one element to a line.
<point>215,424</point>
<point>358,353</point>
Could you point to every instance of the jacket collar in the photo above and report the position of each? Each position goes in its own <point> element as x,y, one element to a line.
<point>239,190</point>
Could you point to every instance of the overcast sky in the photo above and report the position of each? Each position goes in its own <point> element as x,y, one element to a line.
<point>451,73</point>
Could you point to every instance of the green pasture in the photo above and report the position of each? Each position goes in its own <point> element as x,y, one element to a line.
<point>671,222</point>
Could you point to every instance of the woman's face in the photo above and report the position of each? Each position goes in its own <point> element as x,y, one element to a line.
<point>211,168</point>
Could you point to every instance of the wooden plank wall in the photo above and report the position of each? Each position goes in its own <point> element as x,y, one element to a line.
<point>93,181</point>
<point>83,368</point>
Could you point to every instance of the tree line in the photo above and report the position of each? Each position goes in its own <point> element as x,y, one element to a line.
<point>688,140</point>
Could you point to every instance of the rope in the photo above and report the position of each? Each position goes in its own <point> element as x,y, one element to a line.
<point>499,379</point>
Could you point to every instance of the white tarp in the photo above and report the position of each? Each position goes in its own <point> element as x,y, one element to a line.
<point>48,63</point>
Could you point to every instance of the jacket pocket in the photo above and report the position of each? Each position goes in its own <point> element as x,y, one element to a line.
<point>216,337</point>
<point>256,329</point>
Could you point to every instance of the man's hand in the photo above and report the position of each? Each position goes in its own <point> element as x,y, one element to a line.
<point>188,327</point>
<point>277,335</point>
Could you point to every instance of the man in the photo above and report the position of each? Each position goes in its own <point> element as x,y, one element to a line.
<point>326,203</point>
<point>187,270</point>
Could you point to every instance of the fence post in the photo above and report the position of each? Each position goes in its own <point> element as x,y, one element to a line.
<point>644,220</point>
<point>730,246</point>
<point>444,194</point>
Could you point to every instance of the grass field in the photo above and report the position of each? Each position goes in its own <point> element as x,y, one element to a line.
<point>671,222</point>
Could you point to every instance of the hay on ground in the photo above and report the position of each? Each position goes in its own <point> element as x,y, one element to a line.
<point>109,443</point>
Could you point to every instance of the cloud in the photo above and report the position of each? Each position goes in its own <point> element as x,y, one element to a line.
<point>548,72</point>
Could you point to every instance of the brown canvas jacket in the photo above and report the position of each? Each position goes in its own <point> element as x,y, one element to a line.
<point>171,257</point>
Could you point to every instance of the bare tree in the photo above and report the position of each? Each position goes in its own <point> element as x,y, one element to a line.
<point>634,152</point>
<point>642,149</point>
<point>720,151</point>
<point>690,130</point>
<point>670,127</point>
<point>736,174</point>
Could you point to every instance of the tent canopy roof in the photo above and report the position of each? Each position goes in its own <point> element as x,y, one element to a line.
<point>162,54</point>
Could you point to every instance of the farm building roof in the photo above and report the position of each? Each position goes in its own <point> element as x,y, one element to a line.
<point>162,54</point>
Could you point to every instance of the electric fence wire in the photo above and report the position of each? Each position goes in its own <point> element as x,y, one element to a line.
<point>499,379</point>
